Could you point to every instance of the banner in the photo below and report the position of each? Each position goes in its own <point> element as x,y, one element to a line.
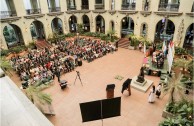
<point>170,57</point>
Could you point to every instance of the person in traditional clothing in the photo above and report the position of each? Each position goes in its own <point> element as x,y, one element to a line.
<point>158,90</point>
<point>151,97</point>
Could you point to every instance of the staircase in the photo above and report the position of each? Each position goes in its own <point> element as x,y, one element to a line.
<point>123,43</point>
<point>40,44</point>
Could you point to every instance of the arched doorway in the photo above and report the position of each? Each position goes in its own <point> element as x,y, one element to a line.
<point>86,23</point>
<point>127,26</point>
<point>144,29</point>
<point>73,24</point>
<point>13,35</point>
<point>164,30</point>
<point>112,25</point>
<point>37,30</point>
<point>100,24</point>
<point>188,42</point>
<point>57,26</point>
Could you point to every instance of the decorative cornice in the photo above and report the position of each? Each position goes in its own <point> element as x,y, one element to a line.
<point>33,16</point>
<point>191,14</point>
<point>145,13</point>
<point>168,13</point>
<point>54,13</point>
<point>77,11</point>
<point>9,19</point>
<point>127,12</point>
<point>98,11</point>
<point>112,12</point>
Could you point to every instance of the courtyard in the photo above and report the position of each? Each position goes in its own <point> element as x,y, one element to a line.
<point>135,109</point>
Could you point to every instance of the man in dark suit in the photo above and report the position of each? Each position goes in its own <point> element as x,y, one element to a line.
<point>126,85</point>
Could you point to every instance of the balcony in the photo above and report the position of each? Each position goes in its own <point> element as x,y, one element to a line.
<point>85,7</point>
<point>7,14</point>
<point>71,7</point>
<point>55,9</point>
<point>168,7</point>
<point>99,6</point>
<point>33,11</point>
<point>128,6</point>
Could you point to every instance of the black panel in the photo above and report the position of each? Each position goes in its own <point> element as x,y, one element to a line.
<point>111,107</point>
<point>90,111</point>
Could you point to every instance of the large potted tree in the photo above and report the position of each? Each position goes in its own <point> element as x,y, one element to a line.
<point>41,100</point>
<point>175,88</point>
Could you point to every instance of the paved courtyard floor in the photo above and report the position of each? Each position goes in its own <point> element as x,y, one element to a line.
<point>135,109</point>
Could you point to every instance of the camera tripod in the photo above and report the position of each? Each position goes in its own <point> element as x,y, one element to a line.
<point>78,75</point>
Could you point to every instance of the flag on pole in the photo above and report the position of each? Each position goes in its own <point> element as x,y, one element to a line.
<point>144,49</point>
<point>164,47</point>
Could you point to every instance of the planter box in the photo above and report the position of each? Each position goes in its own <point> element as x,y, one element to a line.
<point>131,47</point>
<point>166,114</point>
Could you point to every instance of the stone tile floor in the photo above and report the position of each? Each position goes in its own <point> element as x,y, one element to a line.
<point>135,109</point>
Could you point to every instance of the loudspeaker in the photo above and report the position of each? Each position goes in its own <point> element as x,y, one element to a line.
<point>159,73</point>
<point>149,72</point>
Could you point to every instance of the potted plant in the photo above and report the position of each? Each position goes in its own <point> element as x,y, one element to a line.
<point>175,89</point>
<point>38,98</point>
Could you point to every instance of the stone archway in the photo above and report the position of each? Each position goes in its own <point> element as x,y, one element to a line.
<point>127,26</point>
<point>144,29</point>
<point>73,24</point>
<point>37,30</point>
<point>100,24</point>
<point>57,26</point>
<point>164,30</point>
<point>86,23</point>
<point>188,41</point>
<point>13,35</point>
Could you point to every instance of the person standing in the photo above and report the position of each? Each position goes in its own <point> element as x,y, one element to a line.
<point>158,90</point>
<point>151,97</point>
<point>140,46</point>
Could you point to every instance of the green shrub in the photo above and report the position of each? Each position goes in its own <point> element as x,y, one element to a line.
<point>4,52</point>
<point>180,51</point>
<point>17,49</point>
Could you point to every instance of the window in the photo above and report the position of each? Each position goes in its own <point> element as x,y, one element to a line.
<point>99,1</point>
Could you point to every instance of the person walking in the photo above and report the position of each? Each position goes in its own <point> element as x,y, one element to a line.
<point>158,90</point>
<point>151,97</point>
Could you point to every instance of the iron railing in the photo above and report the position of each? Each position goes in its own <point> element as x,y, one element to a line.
<point>6,14</point>
<point>128,6</point>
<point>85,7</point>
<point>33,11</point>
<point>54,9</point>
<point>71,7</point>
<point>99,6</point>
<point>168,7</point>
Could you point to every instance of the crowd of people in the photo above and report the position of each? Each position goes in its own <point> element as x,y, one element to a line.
<point>158,59</point>
<point>47,63</point>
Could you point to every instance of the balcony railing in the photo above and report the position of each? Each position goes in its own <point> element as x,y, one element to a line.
<point>168,7</point>
<point>6,14</point>
<point>99,6</point>
<point>71,7</point>
<point>85,7</point>
<point>55,9</point>
<point>128,6</point>
<point>33,11</point>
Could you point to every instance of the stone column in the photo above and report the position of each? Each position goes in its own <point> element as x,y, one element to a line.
<point>165,25</point>
<point>20,9</point>
<point>129,26</point>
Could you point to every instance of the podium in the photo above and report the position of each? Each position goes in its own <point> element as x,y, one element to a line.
<point>110,90</point>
